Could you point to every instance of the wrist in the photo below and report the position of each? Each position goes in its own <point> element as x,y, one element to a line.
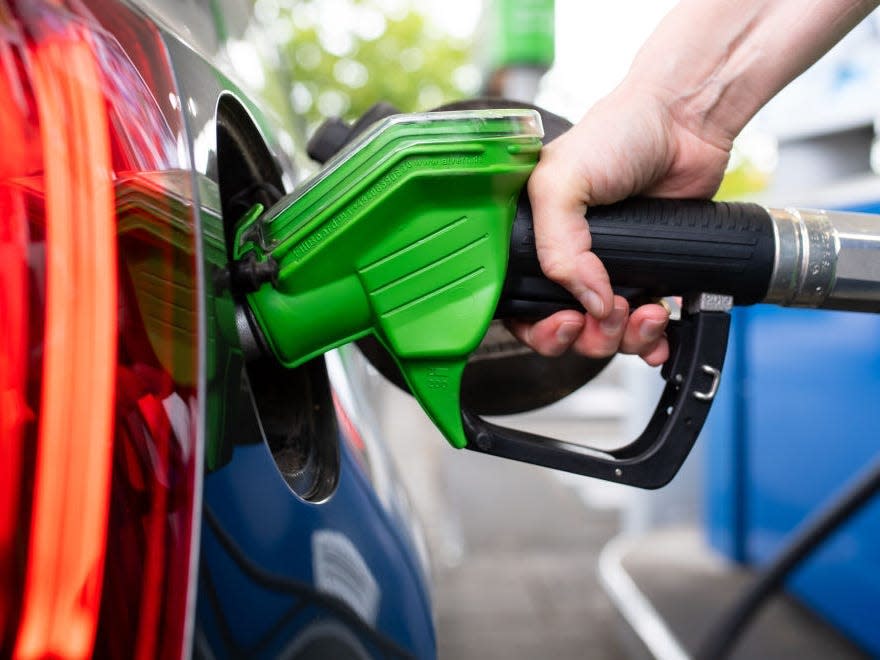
<point>707,111</point>
<point>715,64</point>
<point>703,92</point>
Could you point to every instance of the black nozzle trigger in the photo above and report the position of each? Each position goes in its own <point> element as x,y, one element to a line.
<point>698,342</point>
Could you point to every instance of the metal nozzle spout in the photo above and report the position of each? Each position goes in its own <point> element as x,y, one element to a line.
<point>826,259</point>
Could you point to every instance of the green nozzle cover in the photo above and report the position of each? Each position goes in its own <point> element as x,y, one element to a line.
<point>404,235</point>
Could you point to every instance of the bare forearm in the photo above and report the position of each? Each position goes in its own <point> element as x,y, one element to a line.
<point>717,62</point>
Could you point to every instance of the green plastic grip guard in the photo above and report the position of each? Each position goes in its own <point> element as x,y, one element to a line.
<point>404,235</point>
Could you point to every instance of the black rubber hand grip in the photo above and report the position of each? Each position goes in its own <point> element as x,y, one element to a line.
<point>655,247</point>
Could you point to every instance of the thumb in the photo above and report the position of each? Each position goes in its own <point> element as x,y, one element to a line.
<point>559,196</point>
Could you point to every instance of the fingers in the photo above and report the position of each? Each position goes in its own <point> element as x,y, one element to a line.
<point>561,233</point>
<point>551,336</point>
<point>602,337</point>
<point>640,333</point>
<point>645,334</point>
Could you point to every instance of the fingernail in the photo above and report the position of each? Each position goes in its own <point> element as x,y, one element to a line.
<point>612,323</point>
<point>651,329</point>
<point>593,303</point>
<point>567,333</point>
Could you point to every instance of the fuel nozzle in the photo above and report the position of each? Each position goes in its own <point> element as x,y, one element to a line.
<point>403,235</point>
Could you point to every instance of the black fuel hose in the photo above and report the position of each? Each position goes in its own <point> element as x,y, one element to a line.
<point>811,535</point>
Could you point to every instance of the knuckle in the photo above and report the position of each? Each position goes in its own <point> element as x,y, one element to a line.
<point>555,267</point>
<point>591,265</point>
<point>541,182</point>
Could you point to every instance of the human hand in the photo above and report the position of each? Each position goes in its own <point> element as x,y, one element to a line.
<point>629,143</point>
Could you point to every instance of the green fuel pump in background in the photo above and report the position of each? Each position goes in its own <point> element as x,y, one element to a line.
<point>520,33</point>
<point>520,46</point>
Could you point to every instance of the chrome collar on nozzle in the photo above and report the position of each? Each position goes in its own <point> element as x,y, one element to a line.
<point>826,259</point>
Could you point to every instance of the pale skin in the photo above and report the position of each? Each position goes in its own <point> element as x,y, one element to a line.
<point>665,131</point>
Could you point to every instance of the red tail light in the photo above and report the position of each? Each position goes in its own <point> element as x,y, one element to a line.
<point>98,329</point>
<point>14,409</point>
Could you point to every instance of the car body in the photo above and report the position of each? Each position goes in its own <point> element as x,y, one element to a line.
<point>164,495</point>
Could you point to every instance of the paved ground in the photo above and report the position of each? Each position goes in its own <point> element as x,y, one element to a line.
<point>515,548</point>
<point>514,551</point>
<point>690,588</point>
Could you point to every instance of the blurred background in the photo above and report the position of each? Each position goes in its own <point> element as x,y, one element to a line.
<point>531,563</point>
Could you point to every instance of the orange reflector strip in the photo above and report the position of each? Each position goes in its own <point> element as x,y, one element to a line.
<point>65,560</point>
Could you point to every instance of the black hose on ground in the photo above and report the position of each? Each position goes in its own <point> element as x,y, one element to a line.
<point>725,634</point>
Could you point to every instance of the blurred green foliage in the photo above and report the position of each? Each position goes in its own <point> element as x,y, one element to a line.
<point>345,55</point>
<point>753,160</point>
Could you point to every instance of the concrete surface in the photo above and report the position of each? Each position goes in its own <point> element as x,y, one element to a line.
<point>689,587</point>
<point>514,550</point>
